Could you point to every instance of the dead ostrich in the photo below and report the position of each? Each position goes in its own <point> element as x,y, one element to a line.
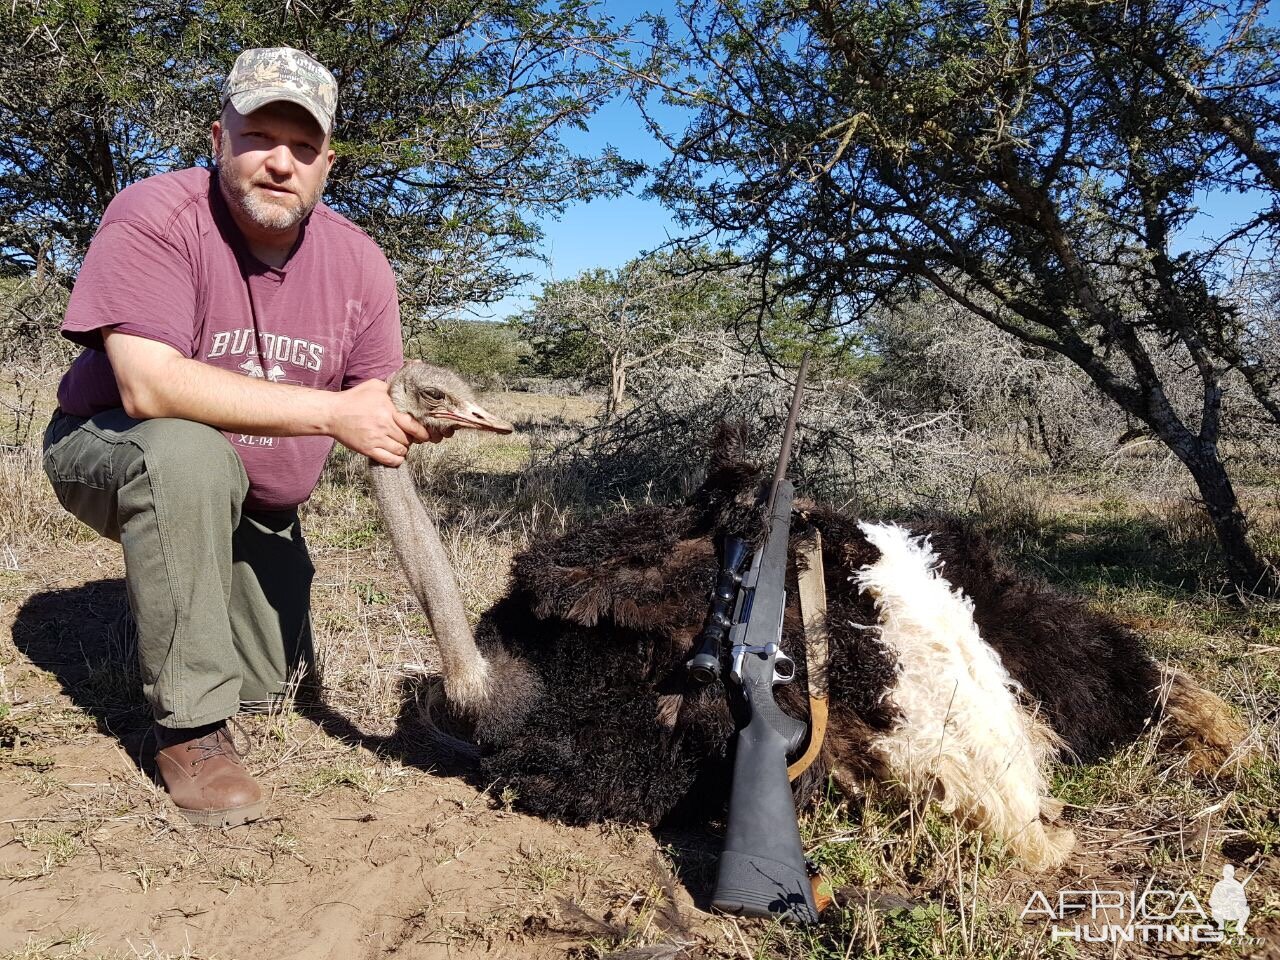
<point>949,675</point>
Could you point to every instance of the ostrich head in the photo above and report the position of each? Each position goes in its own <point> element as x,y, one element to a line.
<point>493,692</point>
<point>439,398</point>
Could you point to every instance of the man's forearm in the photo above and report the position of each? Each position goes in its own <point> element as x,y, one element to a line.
<point>155,380</point>
<point>191,390</point>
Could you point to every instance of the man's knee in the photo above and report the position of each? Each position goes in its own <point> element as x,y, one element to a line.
<point>186,458</point>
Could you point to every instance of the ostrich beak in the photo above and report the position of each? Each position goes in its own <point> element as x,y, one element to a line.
<point>475,417</point>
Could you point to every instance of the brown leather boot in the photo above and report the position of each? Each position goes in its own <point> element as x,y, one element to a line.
<point>204,776</point>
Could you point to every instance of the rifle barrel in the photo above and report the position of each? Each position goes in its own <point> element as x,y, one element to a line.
<point>784,456</point>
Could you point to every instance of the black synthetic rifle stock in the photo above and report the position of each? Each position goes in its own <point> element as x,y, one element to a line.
<point>762,867</point>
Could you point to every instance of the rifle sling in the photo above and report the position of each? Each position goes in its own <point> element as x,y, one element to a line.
<point>813,617</point>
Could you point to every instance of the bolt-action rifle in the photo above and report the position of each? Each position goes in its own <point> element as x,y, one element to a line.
<point>762,866</point>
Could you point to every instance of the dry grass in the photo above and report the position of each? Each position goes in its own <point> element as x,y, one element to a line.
<point>357,799</point>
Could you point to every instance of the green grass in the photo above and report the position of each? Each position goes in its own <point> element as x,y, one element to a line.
<point>322,780</point>
<point>54,845</point>
<point>1255,808</point>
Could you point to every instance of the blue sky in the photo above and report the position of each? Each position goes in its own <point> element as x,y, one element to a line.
<point>606,232</point>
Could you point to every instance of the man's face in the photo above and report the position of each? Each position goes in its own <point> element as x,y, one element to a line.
<point>272,163</point>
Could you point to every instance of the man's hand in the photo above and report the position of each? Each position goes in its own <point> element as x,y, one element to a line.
<point>366,421</point>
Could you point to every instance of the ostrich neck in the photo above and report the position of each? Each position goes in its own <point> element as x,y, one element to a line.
<point>430,575</point>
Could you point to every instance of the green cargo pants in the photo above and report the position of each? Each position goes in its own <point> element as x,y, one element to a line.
<point>221,595</point>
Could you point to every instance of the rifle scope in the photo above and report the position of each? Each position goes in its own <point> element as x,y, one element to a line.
<point>704,666</point>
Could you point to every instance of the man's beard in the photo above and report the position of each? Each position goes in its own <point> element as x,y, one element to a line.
<point>264,213</point>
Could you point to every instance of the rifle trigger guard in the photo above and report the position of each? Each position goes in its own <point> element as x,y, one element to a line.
<point>784,668</point>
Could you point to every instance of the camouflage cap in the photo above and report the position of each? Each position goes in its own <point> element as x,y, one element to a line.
<point>266,74</point>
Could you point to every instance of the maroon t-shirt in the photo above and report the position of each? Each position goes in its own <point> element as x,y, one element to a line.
<point>168,263</point>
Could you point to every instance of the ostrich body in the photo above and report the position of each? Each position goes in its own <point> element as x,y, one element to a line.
<point>948,674</point>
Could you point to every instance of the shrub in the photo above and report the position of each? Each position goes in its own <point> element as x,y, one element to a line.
<point>486,353</point>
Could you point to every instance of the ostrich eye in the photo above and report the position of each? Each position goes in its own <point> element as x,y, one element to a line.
<point>432,393</point>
